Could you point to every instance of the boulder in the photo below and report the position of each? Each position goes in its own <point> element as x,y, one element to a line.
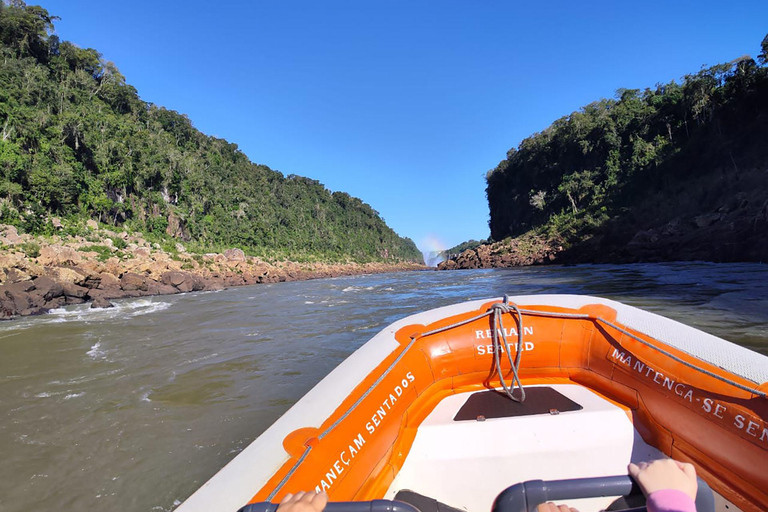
<point>7,306</point>
<point>93,281</point>
<point>130,282</point>
<point>214,285</point>
<point>15,275</point>
<point>173,278</point>
<point>55,303</point>
<point>193,284</point>
<point>56,255</point>
<point>92,224</point>
<point>447,265</point>
<point>32,311</point>
<point>48,288</point>
<point>9,235</point>
<point>19,287</point>
<point>142,252</point>
<point>65,275</point>
<point>74,291</point>
<point>234,255</point>
<point>18,301</point>
<point>101,302</point>
<point>19,298</point>
<point>107,281</point>
<point>158,288</point>
<point>152,268</point>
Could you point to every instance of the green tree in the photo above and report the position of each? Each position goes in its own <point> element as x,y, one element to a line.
<point>25,28</point>
<point>763,55</point>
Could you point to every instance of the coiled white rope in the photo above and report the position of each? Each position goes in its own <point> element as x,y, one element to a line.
<point>499,345</point>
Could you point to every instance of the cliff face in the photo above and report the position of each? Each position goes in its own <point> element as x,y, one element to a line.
<point>721,218</point>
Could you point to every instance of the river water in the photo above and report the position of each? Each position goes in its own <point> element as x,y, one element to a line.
<point>132,408</point>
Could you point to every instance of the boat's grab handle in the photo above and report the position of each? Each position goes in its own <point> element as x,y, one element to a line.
<point>343,506</point>
<point>526,496</point>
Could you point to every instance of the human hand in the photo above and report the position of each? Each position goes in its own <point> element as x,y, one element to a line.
<point>303,502</point>
<point>551,507</point>
<point>665,474</point>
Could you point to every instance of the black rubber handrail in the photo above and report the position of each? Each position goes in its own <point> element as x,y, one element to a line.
<point>526,496</point>
<point>522,497</point>
<point>343,506</point>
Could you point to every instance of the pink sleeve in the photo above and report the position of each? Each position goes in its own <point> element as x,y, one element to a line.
<point>670,500</point>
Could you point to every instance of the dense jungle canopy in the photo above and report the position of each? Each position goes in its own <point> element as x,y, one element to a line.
<point>640,160</point>
<point>78,143</point>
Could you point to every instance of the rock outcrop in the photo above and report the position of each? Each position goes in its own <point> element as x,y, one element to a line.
<point>516,252</point>
<point>37,275</point>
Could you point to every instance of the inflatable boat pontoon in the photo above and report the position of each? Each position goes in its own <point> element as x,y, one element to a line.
<point>448,408</point>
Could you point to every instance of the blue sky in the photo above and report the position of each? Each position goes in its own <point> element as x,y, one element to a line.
<point>404,104</point>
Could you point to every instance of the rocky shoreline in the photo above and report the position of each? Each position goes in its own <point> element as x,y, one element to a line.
<point>516,252</point>
<point>39,274</point>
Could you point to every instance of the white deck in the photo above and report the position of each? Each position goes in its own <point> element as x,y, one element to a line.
<point>466,464</point>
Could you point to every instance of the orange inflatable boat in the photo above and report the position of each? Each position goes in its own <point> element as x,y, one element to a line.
<point>456,404</point>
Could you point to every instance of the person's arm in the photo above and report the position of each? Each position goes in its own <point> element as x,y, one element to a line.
<point>303,502</point>
<point>668,485</point>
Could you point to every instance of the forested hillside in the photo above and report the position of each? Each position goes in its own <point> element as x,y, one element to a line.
<point>680,165</point>
<point>78,143</point>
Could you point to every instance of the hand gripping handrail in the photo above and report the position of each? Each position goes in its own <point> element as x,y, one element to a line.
<point>526,496</point>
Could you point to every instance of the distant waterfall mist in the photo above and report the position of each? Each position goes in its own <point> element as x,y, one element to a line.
<point>433,258</point>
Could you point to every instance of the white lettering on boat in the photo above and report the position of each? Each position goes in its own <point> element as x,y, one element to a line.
<point>345,457</point>
<point>657,377</point>
<point>380,413</point>
<point>487,335</point>
<point>488,349</point>
<point>709,406</point>
<point>752,428</point>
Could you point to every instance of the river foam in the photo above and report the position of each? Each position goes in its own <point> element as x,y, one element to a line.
<point>127,308</point>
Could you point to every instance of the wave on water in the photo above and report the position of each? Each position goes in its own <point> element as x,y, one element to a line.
<point>357,288</point>
<point>96,352</point>
<point>366,327</point>
<point>146,307</point>
<point>68,396</point>
<point>198,359</point>
<point>84,313</point>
